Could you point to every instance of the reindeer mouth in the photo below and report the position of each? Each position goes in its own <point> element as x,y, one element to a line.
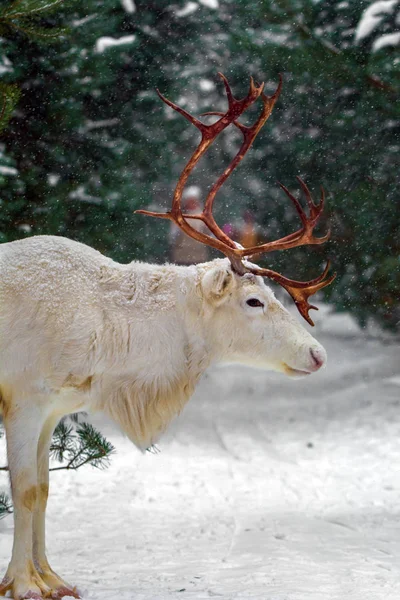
<point>294,372</point>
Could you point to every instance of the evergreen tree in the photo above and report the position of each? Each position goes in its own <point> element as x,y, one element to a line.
<point>74,445</point>
<point>89,138</point>
<point>92,142</point>
<point>337,123</point>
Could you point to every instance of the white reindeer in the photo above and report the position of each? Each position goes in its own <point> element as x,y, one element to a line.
<point>79,331</point>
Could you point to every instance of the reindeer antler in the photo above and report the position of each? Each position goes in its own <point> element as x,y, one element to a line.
<point>299,291</point>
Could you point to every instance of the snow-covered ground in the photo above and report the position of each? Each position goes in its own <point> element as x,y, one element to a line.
<point>266,488</point>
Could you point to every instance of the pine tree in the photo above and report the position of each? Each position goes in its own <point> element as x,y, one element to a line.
<point>89,138</point>
<point>23,16</point>
<point>73,444</point>
<point>91,142</point>
<point>336,124</point>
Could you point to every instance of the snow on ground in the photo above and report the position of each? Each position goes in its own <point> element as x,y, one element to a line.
<point>266,489</point>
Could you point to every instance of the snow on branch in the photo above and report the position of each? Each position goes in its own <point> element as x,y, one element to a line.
<point>90,125</point>
<point>210,3</point>
<point>80,194</point>
<point>187,10</point>
<point>190,7</point>
<point>5,65</point>
<point>372,17</point>
<point>389,39</point>
<point>129,6</point>
<point>106,42</point>
<point>4,170</point>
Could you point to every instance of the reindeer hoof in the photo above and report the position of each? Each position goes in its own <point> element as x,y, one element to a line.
<point>29,587</point>
<point>5,585</point>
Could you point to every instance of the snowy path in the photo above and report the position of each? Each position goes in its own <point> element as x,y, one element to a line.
<point>266,488</point>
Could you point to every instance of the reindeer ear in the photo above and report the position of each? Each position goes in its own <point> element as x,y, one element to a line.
<point>217,284</point>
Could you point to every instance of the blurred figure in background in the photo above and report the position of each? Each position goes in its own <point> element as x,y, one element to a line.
<point>245,231</point>
<point>183,249</point>
<point>248,231</point>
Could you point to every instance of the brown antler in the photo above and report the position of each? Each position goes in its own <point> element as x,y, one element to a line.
<point>208,134</point>
<point>299,291</point>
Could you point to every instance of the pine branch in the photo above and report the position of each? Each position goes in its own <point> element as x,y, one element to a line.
<point>80,447</point>
<point>5,505</point>
<point>373,80</point>
<point>26,16</point>
<point>73,467</point>
<point>9,96</point>
<point>40,32</point>
<point>62,442</point>
<point>29,8</point>
<point>153,449</point>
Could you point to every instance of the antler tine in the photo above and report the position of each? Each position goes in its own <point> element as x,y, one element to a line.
<point>315,209</point>
<point>208,134</point>
<point>249,134</point>
<point>297,205</point>
<point>301,237</point>
<point>182,112</point>
<point>228,90</point>
<point>300,291</point>
<point>270,99</point>
<point>240,106</point>
<point>255,87</point>
<point>304,235</point>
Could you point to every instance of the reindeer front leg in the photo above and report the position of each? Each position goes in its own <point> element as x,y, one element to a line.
<point>58,586</point>
<point>23,426</point>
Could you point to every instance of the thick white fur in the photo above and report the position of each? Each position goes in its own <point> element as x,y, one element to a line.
<point>81,332</point>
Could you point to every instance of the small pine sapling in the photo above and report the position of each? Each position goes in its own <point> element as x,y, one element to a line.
<point>77,444</point>
<point>74,445</point>
<point>5,505</point>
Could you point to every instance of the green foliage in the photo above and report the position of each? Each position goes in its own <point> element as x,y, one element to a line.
<point>26,17</point>
<point>91,142</point>
<point>79,444</point>
<point>337,123</point>
<point>74,445</point>
<point>9,96</point>
<point>5,505</point>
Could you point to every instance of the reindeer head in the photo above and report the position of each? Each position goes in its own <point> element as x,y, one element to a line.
<point>240,289</point>
<point>244,322</point>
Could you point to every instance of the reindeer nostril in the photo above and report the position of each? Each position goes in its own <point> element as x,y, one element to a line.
<point>317,357</point>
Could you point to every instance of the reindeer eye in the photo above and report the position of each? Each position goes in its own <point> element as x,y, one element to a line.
<point>254,302</point>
